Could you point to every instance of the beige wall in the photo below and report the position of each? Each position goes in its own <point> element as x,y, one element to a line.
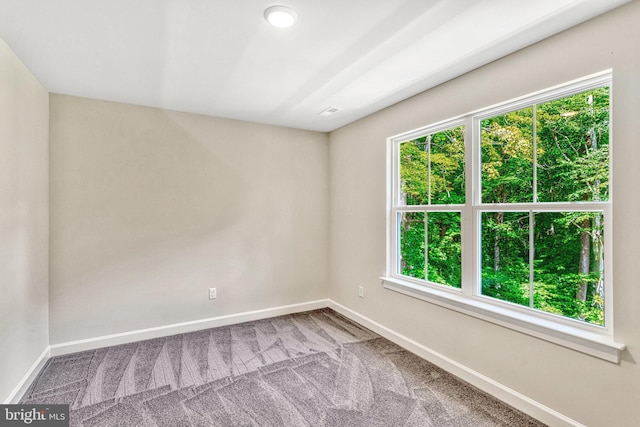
<point>589,390</point>
<point>24,224</point>
<point>150,208</point>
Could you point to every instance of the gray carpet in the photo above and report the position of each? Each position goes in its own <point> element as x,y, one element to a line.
<point>310,369</point>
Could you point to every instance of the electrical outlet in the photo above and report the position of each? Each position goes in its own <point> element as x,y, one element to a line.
<point>361,291</point>
<point>212,293</point>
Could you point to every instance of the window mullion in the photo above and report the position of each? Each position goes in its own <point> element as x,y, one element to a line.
<point>428,147</point>
<point>531,255</point>
<point>534,155</point>
<point>426,245</point>
<point>470,231</point>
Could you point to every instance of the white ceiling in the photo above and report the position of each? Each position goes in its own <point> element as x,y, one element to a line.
<point>221,58</point>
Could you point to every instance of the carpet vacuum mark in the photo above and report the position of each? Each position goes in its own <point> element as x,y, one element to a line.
<point>316,368</point>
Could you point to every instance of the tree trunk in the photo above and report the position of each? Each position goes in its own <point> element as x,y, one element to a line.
<point>585,258</point>
<point>597,241</point>
<point>499,217</point>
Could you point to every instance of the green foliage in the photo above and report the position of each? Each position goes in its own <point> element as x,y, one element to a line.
<point>442,242</point>
<point>574,132</point>
<point>432,168</point>
<point>556,293</point>
<point>510,284</point>
<point>507,157</point>
<point>445,250</point>
<point>412,244</point>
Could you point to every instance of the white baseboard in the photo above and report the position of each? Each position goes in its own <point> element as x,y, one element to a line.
<point>25,382</point>
<point>484,383</point>
<point>181,328</point>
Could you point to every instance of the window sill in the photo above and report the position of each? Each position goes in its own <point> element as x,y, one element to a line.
<point>576,338</point>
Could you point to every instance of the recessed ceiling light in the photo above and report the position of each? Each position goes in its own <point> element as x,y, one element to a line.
<point>280,16</point>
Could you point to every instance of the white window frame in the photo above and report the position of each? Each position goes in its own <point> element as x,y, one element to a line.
<point>438,127</point>
<point>588,338</point>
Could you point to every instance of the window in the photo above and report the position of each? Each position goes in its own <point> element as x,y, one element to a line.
<point>545,191</point>
<point>431,193</point>
<point>505,214</point>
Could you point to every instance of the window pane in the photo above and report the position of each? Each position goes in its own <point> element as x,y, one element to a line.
<point>505,256</point>
<point>507,157</point>
<point>443,255</point>
<point>412,244</point>
<point>568,265</point>
<point>432,169</point>
<point>573,147</point>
